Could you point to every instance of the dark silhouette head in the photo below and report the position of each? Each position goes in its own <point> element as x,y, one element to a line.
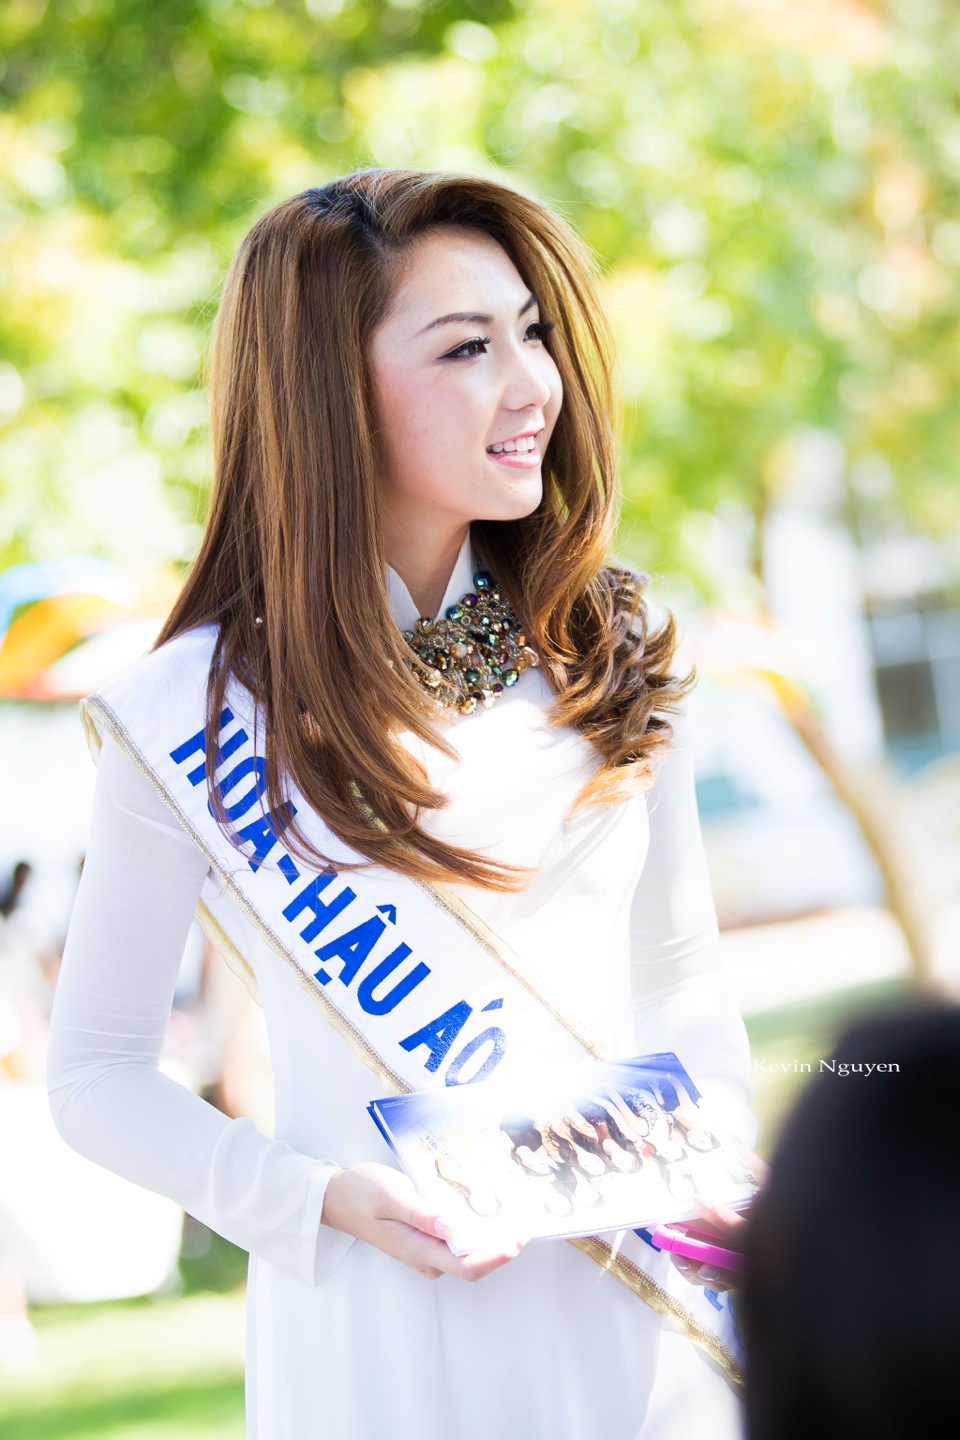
<point>850,1305</point>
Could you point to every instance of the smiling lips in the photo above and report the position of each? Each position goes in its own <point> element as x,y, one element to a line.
<point>521,453</point>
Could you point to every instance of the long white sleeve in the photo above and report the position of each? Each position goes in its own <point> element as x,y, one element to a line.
<point>681,1001</point>
<point>141,879</point>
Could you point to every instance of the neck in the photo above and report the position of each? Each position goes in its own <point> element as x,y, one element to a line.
<point>425,565</point>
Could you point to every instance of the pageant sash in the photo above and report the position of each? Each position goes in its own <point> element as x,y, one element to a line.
<point>418,985</point>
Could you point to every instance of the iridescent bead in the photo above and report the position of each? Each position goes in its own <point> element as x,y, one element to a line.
<point>472,655</point>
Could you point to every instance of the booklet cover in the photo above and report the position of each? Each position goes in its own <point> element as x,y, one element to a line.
<point>617,1145</point>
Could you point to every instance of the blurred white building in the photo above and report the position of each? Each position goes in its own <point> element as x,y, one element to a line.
<point>871,625</point>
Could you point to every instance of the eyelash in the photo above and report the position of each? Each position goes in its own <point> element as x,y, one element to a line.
<point>542,328</point>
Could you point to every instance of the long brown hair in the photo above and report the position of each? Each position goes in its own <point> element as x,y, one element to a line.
<point>292,568</point>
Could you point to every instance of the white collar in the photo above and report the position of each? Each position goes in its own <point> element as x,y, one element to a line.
<point>404,608</point>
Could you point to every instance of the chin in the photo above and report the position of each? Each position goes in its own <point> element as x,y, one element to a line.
<point>516,506</point>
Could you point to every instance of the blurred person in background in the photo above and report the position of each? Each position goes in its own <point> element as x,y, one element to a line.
<point>394,353</point>
<point>850,1301</point>
<point>23,1022</point>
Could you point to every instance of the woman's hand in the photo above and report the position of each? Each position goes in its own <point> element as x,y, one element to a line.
<point>380,1205</point>
<point>726,1223</point>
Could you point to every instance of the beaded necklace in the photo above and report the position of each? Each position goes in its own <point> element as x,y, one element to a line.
<point>472,655</point>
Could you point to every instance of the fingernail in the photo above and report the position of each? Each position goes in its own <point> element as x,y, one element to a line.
<point>707,1272</point>
<point>440,1228</point>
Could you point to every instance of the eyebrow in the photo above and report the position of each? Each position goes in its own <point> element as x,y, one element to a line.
<point>467,318</point>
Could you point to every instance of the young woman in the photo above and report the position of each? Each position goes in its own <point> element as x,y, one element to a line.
<point>439,849</point>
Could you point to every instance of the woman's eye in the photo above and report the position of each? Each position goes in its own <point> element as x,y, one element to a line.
<point>466,352</point>
<point>539,329</point>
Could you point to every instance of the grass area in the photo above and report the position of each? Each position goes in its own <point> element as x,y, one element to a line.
<point>153,1369</point>
<point>171,1367</point>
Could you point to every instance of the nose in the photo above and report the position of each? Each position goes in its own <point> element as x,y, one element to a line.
<point>528,382</point>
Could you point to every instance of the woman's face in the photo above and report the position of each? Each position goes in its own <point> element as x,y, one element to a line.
<point>446,392</point>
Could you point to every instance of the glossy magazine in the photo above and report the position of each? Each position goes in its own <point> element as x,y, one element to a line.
<point>617,1145</point>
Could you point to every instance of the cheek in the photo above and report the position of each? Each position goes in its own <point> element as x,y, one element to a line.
<point>556,390</point>
<point>416,409</point>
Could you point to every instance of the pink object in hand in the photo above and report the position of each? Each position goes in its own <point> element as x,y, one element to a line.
<point>683,1240</point>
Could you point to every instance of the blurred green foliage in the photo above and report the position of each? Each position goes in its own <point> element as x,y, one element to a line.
<point>770,188</point>
<point>169,1368</point>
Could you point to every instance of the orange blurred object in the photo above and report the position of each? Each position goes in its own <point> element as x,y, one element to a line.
<point>45,632</point>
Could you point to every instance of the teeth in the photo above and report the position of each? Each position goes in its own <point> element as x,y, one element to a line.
<point>525,443</point>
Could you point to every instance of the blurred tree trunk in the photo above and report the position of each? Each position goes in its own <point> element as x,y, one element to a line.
<point>870,798</point>
<point>873,803</point>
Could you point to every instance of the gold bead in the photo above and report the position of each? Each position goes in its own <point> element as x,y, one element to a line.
<point>459,669</point>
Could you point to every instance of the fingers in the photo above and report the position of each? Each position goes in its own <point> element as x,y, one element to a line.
<point>432,1257</point>
<point>420,1216</point>
<point>758,1167</point>
<point>477,1264</point>
<point>400,1202</point>
<point>436,1231</point>
<point>718,1215</point>
<point>381,1206</point>
<point>711,1277</point>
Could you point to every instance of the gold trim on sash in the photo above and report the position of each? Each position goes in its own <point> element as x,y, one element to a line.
<point>657,1298</point>
<point>224,946</point>
<point>598,1250</point>
<point>459,911</point>
<point>357,1042</point>
<point>498,949</point>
